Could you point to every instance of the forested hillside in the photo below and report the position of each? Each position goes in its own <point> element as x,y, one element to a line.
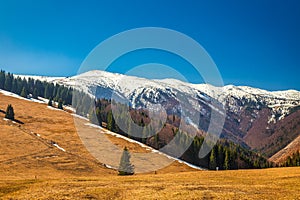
<point>225,154</point>
<point>293,160</point>
<point>31,88</point>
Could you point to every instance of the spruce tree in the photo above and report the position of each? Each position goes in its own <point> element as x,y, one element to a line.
<point>35,93</point>
<point>93,117</point>
<point>98,115</point>
<point>220,156</point>
<point>8,82</point>
<point>14,88</point>
<point>2,79</point>
<point>50,102</point>
<point>110,121</point>
<point>10,114</point>
<point>47,92</point>
<point>145,133</point>
<point>24,92</point>
<point>125,167</point>
<point>156,139</point>
<point>60,104</point>
<point>227,160</point>
<point>212,160</point>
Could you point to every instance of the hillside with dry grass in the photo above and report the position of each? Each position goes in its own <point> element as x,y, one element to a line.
<point>281,156</point>
<point>27,150</point>
<point>31,167</point>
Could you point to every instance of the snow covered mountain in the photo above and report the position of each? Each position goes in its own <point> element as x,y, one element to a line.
<point>260,119</point>
<point>234,98</point>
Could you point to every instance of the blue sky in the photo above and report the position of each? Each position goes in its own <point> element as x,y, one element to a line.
<point>253,43</point>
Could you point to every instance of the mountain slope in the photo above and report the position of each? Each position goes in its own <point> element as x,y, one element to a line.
<point>255,118</point>
<point>258,119</point>
<point>74,174</point>
<point>281,156</point>
<point>47,144</point>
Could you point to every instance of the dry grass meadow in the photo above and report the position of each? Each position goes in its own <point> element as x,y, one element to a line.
<point>251,184</point>
<point>32,168</point>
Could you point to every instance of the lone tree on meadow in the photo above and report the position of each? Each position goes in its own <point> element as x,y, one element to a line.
<point>125,167</point>
<point>10,114</point>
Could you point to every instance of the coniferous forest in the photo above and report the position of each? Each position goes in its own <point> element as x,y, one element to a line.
<point>35,88</point>
<point>293,160</point>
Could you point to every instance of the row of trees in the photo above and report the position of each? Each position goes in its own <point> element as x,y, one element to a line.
<point>35,88</point>
<point>60,103</point>
<point>293,160</point>
<point>225,155</point>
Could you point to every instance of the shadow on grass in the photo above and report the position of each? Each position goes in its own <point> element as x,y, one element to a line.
<point>14,187</point>
<point>15,120</point>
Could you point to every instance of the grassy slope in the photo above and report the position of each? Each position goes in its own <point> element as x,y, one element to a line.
<point>244,184</point>
<point>25,155</point>
<point>77,175</point>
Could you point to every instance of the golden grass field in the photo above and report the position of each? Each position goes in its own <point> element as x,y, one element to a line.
<point>31,168</point>
<point>281,183</point>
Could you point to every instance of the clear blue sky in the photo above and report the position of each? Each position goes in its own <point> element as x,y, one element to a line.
<point>254,43</point>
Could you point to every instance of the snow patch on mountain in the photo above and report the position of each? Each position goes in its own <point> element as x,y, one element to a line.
<point>139,91</point>
<point>41,78</point>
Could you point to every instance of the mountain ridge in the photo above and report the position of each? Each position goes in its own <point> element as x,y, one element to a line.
<point>57,78</point>
<point>248,110</point>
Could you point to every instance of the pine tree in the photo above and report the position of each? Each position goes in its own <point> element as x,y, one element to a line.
<point>2,79</point>
<point>50,103</point>
<point>10,114</point>
<point>24,92</point>
<point>125,167</point>
<point>93,117</point>
<point>110,121</point>
<point>98,115</point>
<point>129,128</point>
<point>212,160</point>
<point>47,92</point>
<point>35,93</point>
<point>227,160</point>
<point>220,156</point>
<point>60,104</point>
<point>145,133</point>
<point>8,82</point>
<point>14,88</point>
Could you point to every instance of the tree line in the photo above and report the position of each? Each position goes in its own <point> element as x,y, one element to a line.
<point>293,160</point>
<point>31,88</point>
<point>225,155</point>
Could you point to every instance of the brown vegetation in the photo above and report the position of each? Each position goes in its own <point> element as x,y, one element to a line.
<point>32,168</point>
<point>281,183</point>
<point>27,151</point>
